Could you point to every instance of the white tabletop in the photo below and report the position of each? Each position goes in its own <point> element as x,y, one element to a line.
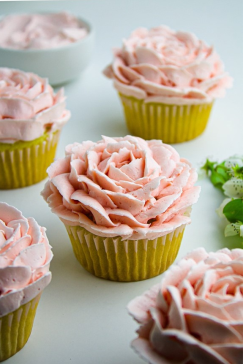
<point>83,319</point>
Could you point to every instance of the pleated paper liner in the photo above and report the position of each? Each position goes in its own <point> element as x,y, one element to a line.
<point>15,328</point>
<point>170,123</point>
<point>128,260</point>
<point>25,163</point>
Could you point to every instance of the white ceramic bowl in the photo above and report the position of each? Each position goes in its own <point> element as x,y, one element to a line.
<point>59,65</point>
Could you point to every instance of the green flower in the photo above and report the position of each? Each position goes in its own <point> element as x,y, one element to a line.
<point>233,188</point>
<point>233,211</point>
<point>235,166</point>
<point>228,176</point>
<point>234,229</point>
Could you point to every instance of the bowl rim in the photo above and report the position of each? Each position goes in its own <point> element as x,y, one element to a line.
<point>83,21</point>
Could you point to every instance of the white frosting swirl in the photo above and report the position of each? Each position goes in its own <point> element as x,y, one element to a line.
<point>196,314</point>
<point>28,106</point>
<point>125,187</point>
<point>40,31</point>
<point>25,256</point>
<point>161,65</point>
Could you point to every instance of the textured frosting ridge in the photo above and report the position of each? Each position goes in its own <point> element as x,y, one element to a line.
<point>195,315</point>
<point>25,256</point>
<point>28,106</point>
<point>40,31</point>
<point>162,65</point>
<point>125,187</point>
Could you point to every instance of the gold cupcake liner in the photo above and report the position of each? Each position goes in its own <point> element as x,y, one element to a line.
<point>127,260</point>
<point>170,123</point>
<point>24,163</point>
<point>15,328</point>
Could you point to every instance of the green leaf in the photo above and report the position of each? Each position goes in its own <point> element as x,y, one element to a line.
<point>217,179</point>
<point>233,211</point>
<point>223,172</point>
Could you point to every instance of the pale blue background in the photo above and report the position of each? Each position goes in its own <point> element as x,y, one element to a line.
<point>82,319</point>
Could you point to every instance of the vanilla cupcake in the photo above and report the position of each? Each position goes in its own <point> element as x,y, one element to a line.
<point>31,118</point>
<point>195,314</point>
<point>125,203</point>
<point>25,256</point>
<point>167,82</point>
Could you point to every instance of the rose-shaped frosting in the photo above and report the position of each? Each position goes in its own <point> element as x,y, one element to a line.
<point>40,31</point>
<point>25,256</point>
<point>196,314</point>
<point>161,65</point>
<point>125,187</point>
<point>28,106</point>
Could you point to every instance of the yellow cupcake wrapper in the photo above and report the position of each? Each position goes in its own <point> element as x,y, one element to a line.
<point>25,163</point>
<point>15,328</point>
<point>128,260</point>
<point>170,123</point>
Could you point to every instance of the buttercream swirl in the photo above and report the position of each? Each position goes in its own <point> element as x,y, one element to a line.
<point>40,31</point>
<point>124,187</point>
<point>25,256</point>
<point>162,65</point>
<point>28,106</point>
<point>195,315</point>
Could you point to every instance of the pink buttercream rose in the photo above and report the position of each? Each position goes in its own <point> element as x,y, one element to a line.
<point>125,187</point>
<point>196,314</point>
<point>40,31</point>
<point>163,65</point>
<point>28,106</point>
<point>25,256</point>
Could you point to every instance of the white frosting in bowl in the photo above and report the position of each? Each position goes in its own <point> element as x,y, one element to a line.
<point>40,31</point>
<point>59,55</point>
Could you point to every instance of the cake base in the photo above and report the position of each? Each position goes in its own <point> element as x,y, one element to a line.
<point>170,123</point>
<point>16,327</point>
<point>124,260</point>
<point>25,163</point>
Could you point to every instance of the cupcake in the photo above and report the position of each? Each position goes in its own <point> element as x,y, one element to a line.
<point>125,203</point>
<point>167,82</point>
<point>195,314</point>
<point>25,256</point>
<point>31,118</point>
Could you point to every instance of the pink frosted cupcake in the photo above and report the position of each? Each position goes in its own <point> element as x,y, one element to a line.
<point>125,203</point>
<point>195,315</point>
<point>31,119</point>
<point>167,82</point>
<point>25,256</point>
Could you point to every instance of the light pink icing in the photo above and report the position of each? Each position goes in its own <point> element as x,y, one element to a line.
<point>196,314</point>
<point>25,256</point>
<point>28,106</point>
<point>40,31</point>
<point>162,65</point>
<point>125,187</point>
